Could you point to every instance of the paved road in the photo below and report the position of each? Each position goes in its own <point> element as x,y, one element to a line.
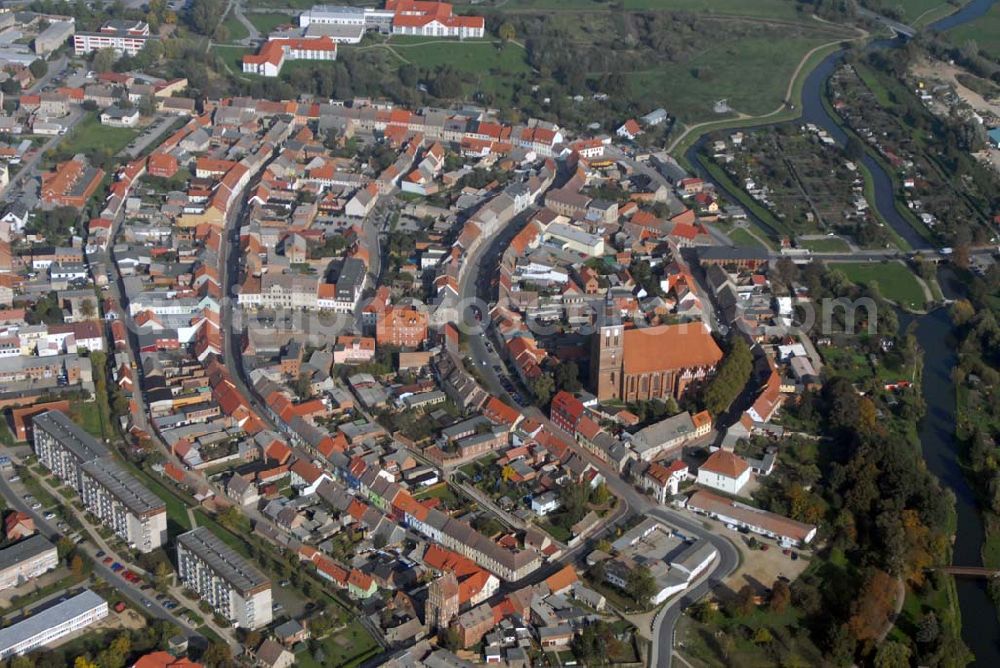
<point>895,26</point>
<point>150,134</point>
<point>55,69</point>
<point>28,168</point>
<point>478,283</point>
<point>127,589</point>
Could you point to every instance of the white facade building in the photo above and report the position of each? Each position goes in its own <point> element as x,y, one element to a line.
<point>52,624</point>
<point>725,472</point>
<point>225,580</point>
<point>123,504</point>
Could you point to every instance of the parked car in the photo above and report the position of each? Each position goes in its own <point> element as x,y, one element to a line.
<point>116,567</point>
<point>100,554</point>
<point>107,561</point>
<point>50,515</point>
<point>36,506</point>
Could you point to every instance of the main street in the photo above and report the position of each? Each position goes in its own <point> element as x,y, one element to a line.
<point>476,284</point>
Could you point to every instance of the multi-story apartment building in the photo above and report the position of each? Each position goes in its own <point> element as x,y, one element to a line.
<point>26,559</point>
<point>63,447</point>
<point>122,36</point>
<point>235,589</point>
<point>123,504</point>
<point>111,493</point>
<point>53,623</point>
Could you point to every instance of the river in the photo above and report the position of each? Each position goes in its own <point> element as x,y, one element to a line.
<point>980,624</point>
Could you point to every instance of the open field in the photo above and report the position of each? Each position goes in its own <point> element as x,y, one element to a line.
<point>267,22</point>
<point>234,28</point>
<point>829,245</point>
<point>232,56</point>
<point>755,86</point>
<point>984,31</point>
<point>683,141</point>
<point>895,281</point>
<point>916,12</point>
<point>741,237</point>
<point>89,136</point>
<point>477,57</point>
<point>776,9</point>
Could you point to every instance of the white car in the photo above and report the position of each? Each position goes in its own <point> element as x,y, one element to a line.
<point>36,506</point>
<point>50,515</point>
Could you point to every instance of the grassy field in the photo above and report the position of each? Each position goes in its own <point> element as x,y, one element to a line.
<point>235,28</point>
<point>984,31</point>
<point>771,9</point>
<point>915,9</point>
<point>756,86</point>
<point>895,281</point>
<point>348,647</point>
<point>89,135</point>
<point>741,237</point>
<point>481,57</point>
<point>266,23</point>
<point>830,245</point>
<point>232,56</point>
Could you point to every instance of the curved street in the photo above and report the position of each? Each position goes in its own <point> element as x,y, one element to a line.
<point>477,284</point>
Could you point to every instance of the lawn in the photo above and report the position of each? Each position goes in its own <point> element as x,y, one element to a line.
<point>85,415</point>
<point>176,508</point>
<point>985,31</point>
<point>895,281</point>
<point>89,136</point>
<point>266,23</point>
<point>235,28</point>
<point>756,86</point>
<point>37,491</point>
<point>441,491</point>
<point>741,237</point>
<point>475,56</point>
<point>6,437</point>
<point>349,646</point>
<point>232,56</point>
<point>771,9</point>
<point>920,12</point>
<point>829,245</point>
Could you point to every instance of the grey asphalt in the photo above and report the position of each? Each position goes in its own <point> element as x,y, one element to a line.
<point>475,283</point>
<point>127,589</point>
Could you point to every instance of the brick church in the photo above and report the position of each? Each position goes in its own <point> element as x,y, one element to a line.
<point>634,364</point>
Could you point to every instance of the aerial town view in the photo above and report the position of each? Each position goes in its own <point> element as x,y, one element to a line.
<point>642,333</point>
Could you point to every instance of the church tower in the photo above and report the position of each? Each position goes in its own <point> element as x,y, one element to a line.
<point>607,354</point>
<point>442,601</point>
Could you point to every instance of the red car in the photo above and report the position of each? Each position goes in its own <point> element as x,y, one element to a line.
<point>107,561</point>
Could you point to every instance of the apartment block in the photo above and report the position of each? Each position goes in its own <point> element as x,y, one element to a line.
<point>235,589</point>
<point>122,36</point>
<point>26,560</point>
<point>63,447</point>
<point>123,504</point>
<point>114,495</point>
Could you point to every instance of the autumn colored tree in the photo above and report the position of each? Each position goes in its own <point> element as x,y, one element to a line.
<point>781,595</point>
<point>76,566</point>
<point>874,607</point>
